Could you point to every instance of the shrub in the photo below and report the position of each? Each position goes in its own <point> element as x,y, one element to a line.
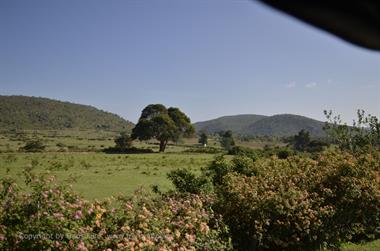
<point>209,149</point>
<point>187,182</point>
<point>300,203</point>
<point>33,146</point>
<point>132,150</point>
<point>363,133</point>
<point>245,151</point>
<point>220,167</point>
<point>52,217</point>
<point>123,141</point>
<point>284,153</point>
<point>302,142</point>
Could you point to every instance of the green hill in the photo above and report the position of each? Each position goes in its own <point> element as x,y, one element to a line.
<point>259,125</point>
<point>235,123</point>
<point>22,112</point>
<point>285,125</point>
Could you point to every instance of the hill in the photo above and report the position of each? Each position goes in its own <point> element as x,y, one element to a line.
<point>22,112</point>
<point>258,125</point>
<point>235,123</point>
<point>285,125</point>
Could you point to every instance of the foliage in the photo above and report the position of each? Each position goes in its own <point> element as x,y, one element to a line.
<point>210,150</point>
<point>363,133</point>
<point>123,141</point>
<point>244,151</point>
<point>162,124</point>
<point>302,142</point>
<point>298,203</point>
<point>220,167</point>
<point>284,153</point>
<point>280,152</point>
<point>130,150</point>
<point>187,182</point>
<point>203,139</point>
<point>33,146</point>
<point>52,217</point>
<point>226,140</point>
<point>22,112</point>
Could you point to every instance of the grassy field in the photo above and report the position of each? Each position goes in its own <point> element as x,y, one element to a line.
<point>99,175</point>
<point>76,156</point>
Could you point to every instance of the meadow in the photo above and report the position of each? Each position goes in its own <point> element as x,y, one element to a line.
<point>99,175</point>
<point>76,157</point>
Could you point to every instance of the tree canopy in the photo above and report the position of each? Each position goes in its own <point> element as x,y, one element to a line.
<point>161,123</point>
<point>226,139</point>
<point>203,138</point>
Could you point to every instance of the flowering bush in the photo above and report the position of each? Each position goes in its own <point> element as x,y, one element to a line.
<point>300,203</point>
<point>47,216</point>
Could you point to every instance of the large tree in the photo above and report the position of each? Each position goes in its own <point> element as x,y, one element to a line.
<point>156,121</point>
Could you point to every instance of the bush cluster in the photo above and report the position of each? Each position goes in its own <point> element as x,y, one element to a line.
<point>51,217</point>
<point>299,203</point>
<point>209,149</point>
<point>280,152</point>
<point>33,146</point>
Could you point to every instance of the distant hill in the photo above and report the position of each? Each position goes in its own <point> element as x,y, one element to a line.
<point>22,112</point>
<point>285,125</point>
<point>259,125</point>
<point>235,123</point>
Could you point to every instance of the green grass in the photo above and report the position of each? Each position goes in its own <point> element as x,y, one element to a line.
<point>369,246</point>
<point>99,175</point>
<point>76,155</point>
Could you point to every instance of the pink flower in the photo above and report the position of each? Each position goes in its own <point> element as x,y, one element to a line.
<point>90,210</point>
<point>128,206</point>
<point>190,237</point>
<point>169,238</point>
<point>78,214</point>
<point>81,246</point>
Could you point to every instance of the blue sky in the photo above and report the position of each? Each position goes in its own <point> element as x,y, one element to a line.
<point>208,57</point>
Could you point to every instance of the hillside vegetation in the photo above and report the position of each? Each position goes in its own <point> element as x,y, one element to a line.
<point>282,125</point>
<point>22,112</point>
<point>235,123</point>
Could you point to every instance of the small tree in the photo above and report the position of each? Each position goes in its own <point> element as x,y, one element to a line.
<point>301,141</point>
<point>203,139</point>
<point>363,132</point>
<point>226,140</point>
<point>123,141</point>
<point>156,121</point>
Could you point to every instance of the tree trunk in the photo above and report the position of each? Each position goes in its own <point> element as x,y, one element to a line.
<point>163,145</point>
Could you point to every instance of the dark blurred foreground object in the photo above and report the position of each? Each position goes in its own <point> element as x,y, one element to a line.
<point>356,21</point>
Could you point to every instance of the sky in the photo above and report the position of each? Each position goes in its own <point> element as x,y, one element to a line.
<point>208,57</point>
